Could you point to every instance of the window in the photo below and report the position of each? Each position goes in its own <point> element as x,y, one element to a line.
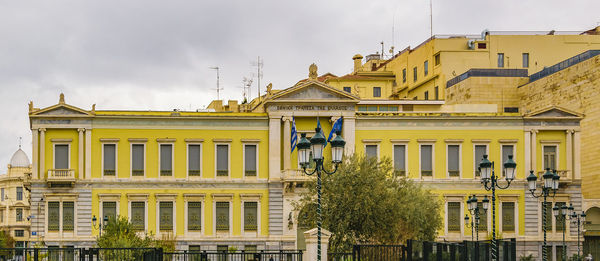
<point>426,160</point>
<point>525,60</point>
<point>1,215</point>
<point>454,219</point>
<point>54,216</point>
<point>480,150</point>
<point>194,216</point>
<point>61,156</point>
<point>454,160</point>
<point>560,221</point>
<point>376,91</point>
<point>500,60</point>
<point>415,74</point>
<point>362,108</point>
<point>109,159</point>
<point>109,210</point>
<point>222,215</point>
<point>550,157</point>
<point>436,59</point>
<point>507,150</point>
<point>19,214</point>
<point>137,160</point>
<point>483,224</point>
<point>481,45</point>
<point>511,109</point>
<point>548,215</point>
<point>222,160</point>
<point>372,108</point>
<point>68,218</point>
<point>404,75</point>
<point>138,215</point>
<point>166,159</point>
<point>426,95</point>
<point>250,160</point>
<point>19,233</point>
<point>194,158</point>
<point>426,68</point>
<point>400,160</point>
<point>250,216</point>
<point>166,215</point>
<point>371,151</point>
<point>19,193</point>
<point>436,91</point>
<point>508,216</point>
<point>348,89</point>
<point>2,194</point>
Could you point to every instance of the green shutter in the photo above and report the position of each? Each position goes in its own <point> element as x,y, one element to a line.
<point>194,216</point>
<point>166,216</point>
<point>250,216</point>
<point>138,215</point>
<point>454,219</point>
<point>508,216</point>
<point>68,216</point>
<point>54,216</point>
<point>222,215</point>
<point>109,209</point>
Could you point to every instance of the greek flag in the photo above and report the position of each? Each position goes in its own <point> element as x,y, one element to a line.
<point>294,138</point>
<point>337,126</point>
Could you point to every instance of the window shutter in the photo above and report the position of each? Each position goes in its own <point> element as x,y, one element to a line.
<point>506,150</point>
<point>453,160</point>
<point>166,216</point>
<point>194,160</point>
<point>508,216</point>
<point>137,154</point>
<point>454,219</point>
<point>166,159</point>
<point>559,221</point>
<point>371,151</point>
<point>61,156</point>
<point>109,159</point>
<point>222,216</point>
<point>194,216</point>
<point>250,160</point>
<point>480,150</point>
<point>399,159</point>
<point>68,216</point>
<point>222,160</point>
<point>548,224</point>
<point>53,216</point>
<point>109,209</point>
<point>426,158</point>
<point>138,215</point>
<point>250,216</point>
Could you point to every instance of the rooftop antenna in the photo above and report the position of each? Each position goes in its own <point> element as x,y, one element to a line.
<point>20,141</point>
<point>259,64</point>
<point>431,17</point>
<point>247,85</point>
<point>218,87</point>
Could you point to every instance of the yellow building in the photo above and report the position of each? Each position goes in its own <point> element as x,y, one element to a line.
<point>14,198</point>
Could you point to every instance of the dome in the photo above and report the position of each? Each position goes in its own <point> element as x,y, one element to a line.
<point>19,159</point>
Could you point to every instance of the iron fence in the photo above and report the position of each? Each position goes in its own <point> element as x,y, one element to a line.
<point>80,254</point>
<point>282,255</point>
<point>339,256</point>
<point>378,252</point>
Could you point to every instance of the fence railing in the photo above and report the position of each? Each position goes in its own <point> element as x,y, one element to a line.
<point>564,64</point>
<point>283,255</point>
<point>81,254</point>
<point>339,256</point>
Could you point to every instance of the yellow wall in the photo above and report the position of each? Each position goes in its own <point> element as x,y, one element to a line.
<point>73,148</point>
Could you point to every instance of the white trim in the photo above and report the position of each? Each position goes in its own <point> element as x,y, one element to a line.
<point>187,159</point>
<point>173,218</point>
<point>131,160</point>
<point>244,159</point>
<point>372,144</point>
<point>432,144</point>
<point>116,160</point>
<point>172,176</point>
<point>250,233</point>
<point>228,160</point>
<point>556,156</point>
<point>448,144</point>
<point>185,217</point>
<point>475,160</point>
<point>68,153</point>
<point>405,144</point>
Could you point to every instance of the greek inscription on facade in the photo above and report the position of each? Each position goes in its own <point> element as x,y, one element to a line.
<point>311,107</point>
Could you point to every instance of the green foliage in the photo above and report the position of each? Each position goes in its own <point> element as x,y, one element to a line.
<point>119,233</point>
<point>6,240</point>
<point>363,202</point>
<point>526,258</point>
<point>575,257</point>
<point>167,242</point>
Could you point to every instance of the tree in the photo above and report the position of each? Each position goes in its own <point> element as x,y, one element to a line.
<point>119,233</point>
<point>364,202</point>
<point>6,241</point>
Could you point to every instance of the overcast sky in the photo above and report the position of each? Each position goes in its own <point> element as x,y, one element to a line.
<point>156,54</point>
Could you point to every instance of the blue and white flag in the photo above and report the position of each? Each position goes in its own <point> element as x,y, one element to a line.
<point>294,137</point>
<point>337,126</point>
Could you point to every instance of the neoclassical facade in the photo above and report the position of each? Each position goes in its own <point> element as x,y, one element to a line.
<point>14,199</point>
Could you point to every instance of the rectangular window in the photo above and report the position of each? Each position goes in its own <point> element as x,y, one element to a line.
<point>426,68</point>
<point>54,216</point>
<point>166,216</point>
<point>426,95</point>
<point>250,216</point>
<point>1,215</point>
<point>371,151</point>
<point>250,160</point>
<point>404,75</point>
<point>376,91</point>
<point>508,216</point>
<point>454,219</point>
<point>483,224</point>
<point>222,160</point>
<point>166,159</point>
<point>194,159</point>
<point>525,60</point>
<point>348,89</point>
<point>400,160</point>
<point>138,215</point>
<point>19,233</point>
<point>426,160</point>
<point>550,157</point>
<point>19,214</point>
<point>548,215</point>
<point>222,215</point>
<point>194,216</point>
<point>480,150</point>
<point>2,194</point>
<point>507,150</point>
<point>19,193</point>
<point>436,91</point>
<point>109,210</point>
<point>68,218</point>
<point>560,221</point>
<point>110,158</point>
<point>61,156</point>
<point>500,60</point>
<point>437,59</point>
<point>453,160</point>
<point>137,159</point>
<point>415,74</point>
<point>372,108</point>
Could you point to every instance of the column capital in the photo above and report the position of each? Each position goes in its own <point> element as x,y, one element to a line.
<point>571,131</point>
<point>335,118</point>
<point>534,131</point>
<point>274,117</point>
<point>42,129</point>
<point>287,118</point>
<point>81,129</point>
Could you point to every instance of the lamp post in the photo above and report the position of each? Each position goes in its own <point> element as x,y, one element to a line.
<point>578,219</point>
<point>316,145</point>
<point>472,205</point>
<point>550,186</point>
<point>490,182</point>
<point>99,226</point>
<point>561,213</point>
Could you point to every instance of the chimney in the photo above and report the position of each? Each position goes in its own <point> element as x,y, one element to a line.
<point>357,62</point>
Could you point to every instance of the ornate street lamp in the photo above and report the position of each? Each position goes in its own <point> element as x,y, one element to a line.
<point>316,145</point>
<point>578,219</point>
<point>99,226</point>
<point>550,186</point>
<point>490,182</point>
<point>472,205</point>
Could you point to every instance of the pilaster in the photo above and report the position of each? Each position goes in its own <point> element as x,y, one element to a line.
<point>88,154</point>
<point>534,149</point>
<point>80,167</point>
<point>569,155</point>
<point>35,150</point>
<point>287,144</point>
<point>275,148</point>
<point>527,153</point>
<point>348,133</point>
<point>42,166</point>
<point>577,154</point>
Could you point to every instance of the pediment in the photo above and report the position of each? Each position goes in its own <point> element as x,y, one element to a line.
<point>554,112</point>
<point>313,90</point>
<point>62,110</point>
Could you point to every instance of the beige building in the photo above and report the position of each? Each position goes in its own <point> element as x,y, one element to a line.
<point>14,198</point>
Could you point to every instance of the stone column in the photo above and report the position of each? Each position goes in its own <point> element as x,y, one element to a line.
<point>527,153</point>
<point>275,148</point>
<point>42,166</point>
<point>287,144</point>
<point>88,154</point>
<point>534,150</point>
<point>570,153</point>
<point>348,131</point>
<point>577,154</point>
<point>80,166</point>
<point>35,151</point>
<point>310,237</point>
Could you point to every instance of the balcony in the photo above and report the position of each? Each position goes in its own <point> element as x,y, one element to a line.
<point>61,177</point>
<point>565,175</point>
<point>295,175</point>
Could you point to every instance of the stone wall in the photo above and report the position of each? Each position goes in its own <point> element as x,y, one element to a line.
<point>486,90</point>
